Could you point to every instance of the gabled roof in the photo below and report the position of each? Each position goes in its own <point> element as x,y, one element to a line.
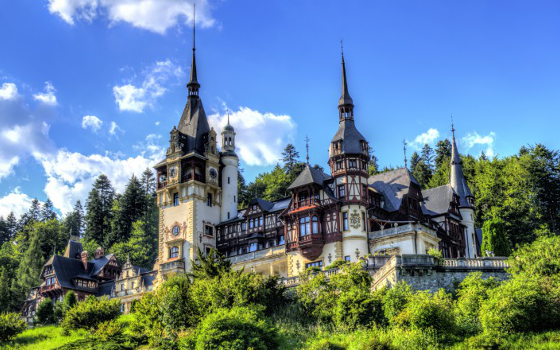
<point>308,176</point>
<point>99,264</point>
<point>194,126</point>
<point>67,269</point>
<point>393,185</point>
<point>437,200</point>
<point>73,250</point>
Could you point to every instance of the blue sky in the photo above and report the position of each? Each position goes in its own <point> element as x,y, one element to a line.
<point>94,86</point>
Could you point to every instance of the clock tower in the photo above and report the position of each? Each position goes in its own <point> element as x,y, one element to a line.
<point>189,191</point>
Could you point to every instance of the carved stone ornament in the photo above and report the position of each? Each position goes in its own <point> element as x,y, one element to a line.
<point>357,253</point>
<point>330,258</point>
<point>297,265</point>
<point>355,219</point>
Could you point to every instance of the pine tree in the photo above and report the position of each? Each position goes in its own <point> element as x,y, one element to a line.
<point>99,210</point>
<point>11,225</point>
<point>141,248</point>
<point>414,161</point>
<point>422,173</point>
<point>290,157</point>
<point>130,208</point>
<point>443,154</point>
<point>74,221</point>
<point>4,233</point>
<point>428,157</point>
<point>373,165</point>
<point>47,212</point>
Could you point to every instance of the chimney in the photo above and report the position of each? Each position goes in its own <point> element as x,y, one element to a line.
<point>85,258</point>
<point>99,253</point>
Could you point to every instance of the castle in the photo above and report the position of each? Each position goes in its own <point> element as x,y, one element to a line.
<point>341,215</point>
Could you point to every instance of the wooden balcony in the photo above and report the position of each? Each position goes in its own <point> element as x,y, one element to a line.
<point>50,289</point>
<point>311,245</point>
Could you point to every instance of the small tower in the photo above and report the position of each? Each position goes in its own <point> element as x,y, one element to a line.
<point>459,184</point>
<point>348,160</point>
<point>229,173</point>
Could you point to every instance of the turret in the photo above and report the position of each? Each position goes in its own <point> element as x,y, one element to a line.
<point>229,173</point>
<point>459,185</point>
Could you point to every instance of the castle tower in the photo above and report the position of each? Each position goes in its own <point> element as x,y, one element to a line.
<point>459,184</point>
<point>230,163</point>
<point>348,160</point>
<point>188,187</point>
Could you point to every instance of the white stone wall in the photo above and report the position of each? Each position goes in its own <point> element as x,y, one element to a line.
<point>229,188</point>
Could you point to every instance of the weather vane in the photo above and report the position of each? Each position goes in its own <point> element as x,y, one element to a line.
<point>404,149</point>
<point>307,148</point>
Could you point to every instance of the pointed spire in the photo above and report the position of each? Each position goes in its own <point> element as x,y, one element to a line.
<point>193,84</point>
<point>457,179</point>
<point>404,149</point>
<point>307,148</point>
<point>345,98</point>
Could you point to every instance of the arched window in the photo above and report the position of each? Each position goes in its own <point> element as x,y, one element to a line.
<point>304,228</point>
<point>315,224</point>
<point>174,252</point>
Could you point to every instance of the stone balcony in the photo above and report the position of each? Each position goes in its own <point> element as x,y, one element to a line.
<point>407,228</point>
<point>259,254</point>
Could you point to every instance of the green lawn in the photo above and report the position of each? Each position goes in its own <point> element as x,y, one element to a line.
<point>42,338</point>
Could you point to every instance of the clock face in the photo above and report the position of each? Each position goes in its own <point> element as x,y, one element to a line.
<point>213,173</point>
<point>173,171</point>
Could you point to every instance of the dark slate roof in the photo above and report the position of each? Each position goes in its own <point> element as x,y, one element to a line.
<point>105,288</point>
<point>345,98</point>
<point>393,185</point>
<point>67,269</point>
<point>280,204</point>
<point>457,178</point>
<point>264,204</point>
<point>148,278</point>
<point>308,176</point>
<point>194,126</point>
<point>437,200</point>
<point>350,136</point>
<point>73,250</point>
<point>478,232</point>
<point>99,264</point>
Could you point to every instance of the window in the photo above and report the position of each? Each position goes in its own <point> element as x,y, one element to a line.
<point>345,221</point>
<point>174,252</point>
<point>365,191</point>
<point>243,226</point>
<point>207,251</point>
<point>339,165</point>
<point>234,200</point>
<point>122,287</point>
<point>364,220</point>
<point>253,247</point>
<point>352,163</point>
<point>175,230</point>
<point>209,231</point>
<point>315,264</point>
<point>281,240</point>
<point>315,226</point>
<point>228,180</point>
<point>132,285</point>
<point>341,191</point>
<point>260,221</point>
<point>228,215</point>
<point>304,228</point>
<point>251,223</point>
<point>243,250</point>
<point>302,198</point>
<point>347,258</point>
<point>209,199</point>
<point>175,199</point>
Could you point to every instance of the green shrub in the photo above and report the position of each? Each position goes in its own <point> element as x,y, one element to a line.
<point>336,263</point>
<point>176,305</point>
<point>58,311</point>
<point>472,291</point>
<point>375,343</point>
<point>90,313</point>
<point>69,300</point>
<point>45,312</point>
<point>325,344</point>
<point>109,330</point>
<point>520,305</point>
<point>10,326</point>
<point>147,319</point>
<point>238,328</point>
<point>395,299</point>
<point>425,310</point>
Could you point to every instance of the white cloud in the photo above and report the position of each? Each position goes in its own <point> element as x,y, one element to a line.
<point>91,122</point>
<point>15,201</point>
<point>260,137</point>
<point>114,129</point>
<point>8,91</point>
<point>48,97</point>
<point>428,137</point>
<point>473,139</point>
<point>153,15</point>
<point>136,98</point>
<point>70,175</point>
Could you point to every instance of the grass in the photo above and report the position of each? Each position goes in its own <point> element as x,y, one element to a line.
<point>50,337</point>
<point>42,338</point>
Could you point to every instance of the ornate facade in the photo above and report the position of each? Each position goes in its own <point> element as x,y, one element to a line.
<point>341,215</point>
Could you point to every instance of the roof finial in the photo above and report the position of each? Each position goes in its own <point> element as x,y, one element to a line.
<point>307,148</point>
<point>227,110</point>
<point>452,127</point>
<point>193,84</point>
<point>404,149</point>
<point>342,47</point>
<point>194,27</point>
